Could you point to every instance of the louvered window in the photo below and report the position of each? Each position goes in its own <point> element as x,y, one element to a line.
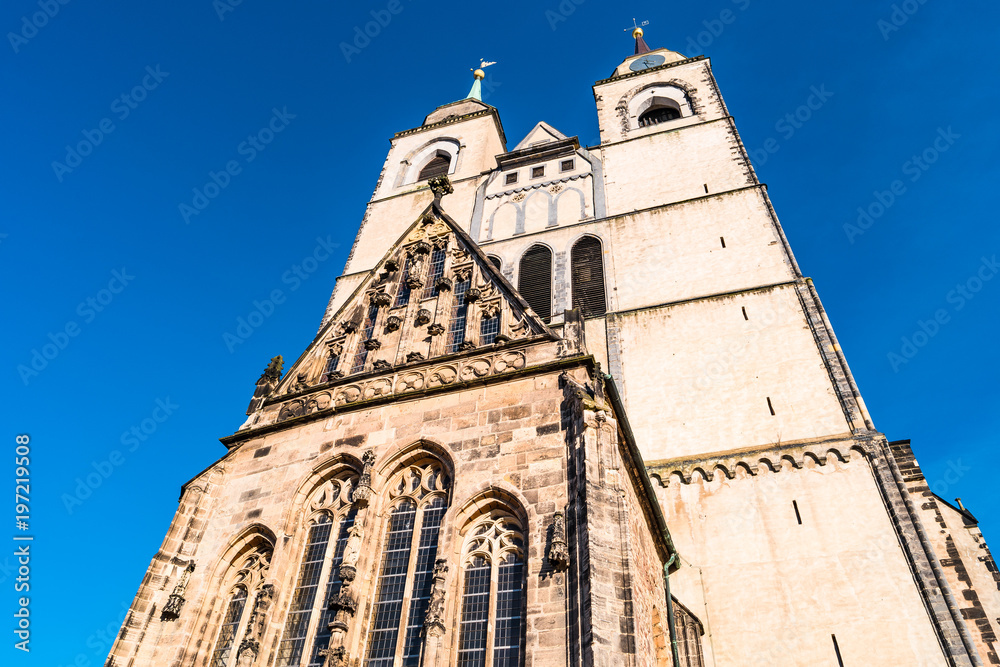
<point>403,295</point>
<point>436,271</point>
<point>587,264</point>
<point>495,261</point>
<point>230,625</point>
<point>438,166</point>
<point>459,315</point>
<point>535,280</point>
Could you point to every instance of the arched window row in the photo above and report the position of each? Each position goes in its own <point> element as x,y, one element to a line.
<point>586,278</point>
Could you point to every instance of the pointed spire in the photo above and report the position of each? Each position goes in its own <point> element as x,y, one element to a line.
<point>477,89</point>
<point>640,44</point>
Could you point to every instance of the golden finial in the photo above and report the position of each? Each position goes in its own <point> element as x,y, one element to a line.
<point>478,72</point>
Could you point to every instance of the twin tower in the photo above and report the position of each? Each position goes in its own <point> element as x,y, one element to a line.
<point>567,406</point>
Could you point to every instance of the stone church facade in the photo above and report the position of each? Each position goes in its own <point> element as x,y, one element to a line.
<point>567,406</point>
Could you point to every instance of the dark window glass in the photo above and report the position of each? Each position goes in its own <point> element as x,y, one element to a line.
<point>475,614</point>
<point>658,115</point>
<point>438,166</point>
<point>509,616</point>
<point>333,585</point>
<point>361,355</point>
<point>300,610</point>
<point>496,261</point>
<point>403,295</point>
<point>535,280</point>
<point>587,269</point>
<point>511,179</point>
<point>489,327</point>
<point>423,572</point>
<point>435,272</point>
<point>391,586</point>
<point>230,626</point>
<point>331,365</point>
<point>537,172</point>
<point>566,165</point>
<point>459,314</point>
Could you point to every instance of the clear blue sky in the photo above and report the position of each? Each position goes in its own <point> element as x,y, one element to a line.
<point>156,332</point>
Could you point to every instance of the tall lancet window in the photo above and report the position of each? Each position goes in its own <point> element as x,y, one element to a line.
<point>230,626</point>
<point>534,280</point>
<point>459,315</point>
<point>587,263</point>
<point>435,272</point>
<point>489,325</point>
<point>306,630</point>
<point>493,594</point>
<point>419,497</point>
<point>367,329</point>
<point>403,295</point>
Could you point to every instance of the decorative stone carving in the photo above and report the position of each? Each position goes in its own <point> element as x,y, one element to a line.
<point>443,283</point>
<point>501,340</point>
<point>300,383</point>
<point>352,551</point>
<point>172,609</point>
<point>335,657</point>
<point>558,551</point>
<point>348,326</point>
<point>459,255</point>
<point>467,346</point>
<point>435,329</point>
<point>423,317</point>
<point>381,365</point>
<point>391,265</point>
<point>393,322</point>
<point>250,646</point>
<point>440,186</point>
<point>372,344</point>
<point>472,295</point>
<point>363,490</point>
<point>434,620</point>
<point>464,273</point>
<point>414,356</point>
<point>490,309</point>
<point>520,330</point>
<point>334,375</point>
<point>519,197</point>
<point>381,299</point>
<point>421,248</point>
<point>266,383</point>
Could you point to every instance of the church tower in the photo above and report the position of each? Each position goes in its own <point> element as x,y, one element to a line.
<point>567,405</point>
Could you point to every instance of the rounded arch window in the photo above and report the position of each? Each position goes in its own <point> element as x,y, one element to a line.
<point>438,165</point>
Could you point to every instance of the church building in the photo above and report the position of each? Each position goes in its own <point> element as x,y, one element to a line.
<point>567,406</point>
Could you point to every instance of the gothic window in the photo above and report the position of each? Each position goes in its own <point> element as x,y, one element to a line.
<point>405,574</point>
<point>437,166</point>
<point>493,594</point>
<point>435,272</point>
<point>306,630</point>
<point>230,626</point>
<point>403,295</point>
<point>459,314</point>
<point>331,364</point>
<point>489,327</point>
<point>659,114</point>
<point>361,355</point>
<point>535,280</point>
<point>587,269</point>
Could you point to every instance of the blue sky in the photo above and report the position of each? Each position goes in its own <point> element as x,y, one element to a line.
<point>134,298</point>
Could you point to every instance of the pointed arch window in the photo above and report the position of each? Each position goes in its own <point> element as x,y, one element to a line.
<point>493,594</point>
<point>361,355</point>
<point>459,316</point>
<point>534,280</point>
<point>587,270</point>
<point>331,365</point>
<point>438,165</point>
<point>230,626</point>
<point>403,295</point>
<point>419,501</point>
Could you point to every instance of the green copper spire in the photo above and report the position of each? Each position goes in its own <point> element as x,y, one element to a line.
<point>477,89</point>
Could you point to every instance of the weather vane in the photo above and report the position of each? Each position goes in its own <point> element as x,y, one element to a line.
<point>637,27</point>
<point>483,64</point>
